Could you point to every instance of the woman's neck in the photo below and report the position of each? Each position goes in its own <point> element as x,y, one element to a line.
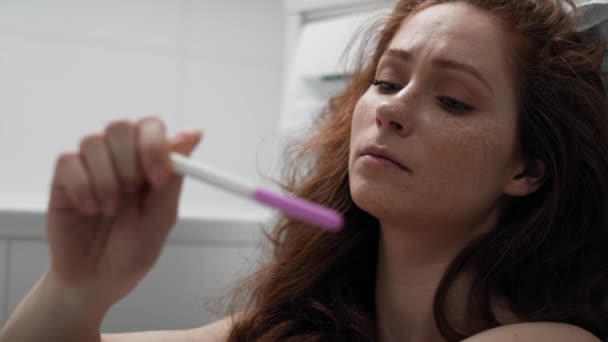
<point>410,267</point>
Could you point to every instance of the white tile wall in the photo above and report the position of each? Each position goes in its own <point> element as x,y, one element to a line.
<point>57,94</point>
<point>68,67</point>
<point>151,24</point>
<point>27,262</point>
<point>236,31</point>
<point>229,101</point>
<point>184,290</point>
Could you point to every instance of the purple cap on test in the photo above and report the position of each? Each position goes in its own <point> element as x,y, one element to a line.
<point>302,209</point>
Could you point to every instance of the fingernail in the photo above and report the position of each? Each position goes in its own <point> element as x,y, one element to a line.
<point>90,207</point>
<point>159,176</point>
<point>109,207</point>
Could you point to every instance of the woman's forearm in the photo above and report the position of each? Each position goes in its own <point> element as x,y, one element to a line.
<point>51,312</point>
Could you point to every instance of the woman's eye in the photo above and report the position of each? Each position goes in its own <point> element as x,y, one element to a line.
<point>385,87</point>
<point>448,103</point>
<point>455,106</point>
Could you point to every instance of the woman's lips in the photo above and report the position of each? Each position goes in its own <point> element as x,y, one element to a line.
<point>382,156</point>
<point>382,162</point>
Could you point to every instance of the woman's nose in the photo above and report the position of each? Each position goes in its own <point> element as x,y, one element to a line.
<point>392,116</point>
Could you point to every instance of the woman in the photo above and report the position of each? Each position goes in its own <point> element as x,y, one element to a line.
<point>469,155</point>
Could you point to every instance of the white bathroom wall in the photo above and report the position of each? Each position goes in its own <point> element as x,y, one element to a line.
<point>67,67</point>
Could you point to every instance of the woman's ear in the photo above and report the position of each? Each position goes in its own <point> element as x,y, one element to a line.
<point>527,179</point>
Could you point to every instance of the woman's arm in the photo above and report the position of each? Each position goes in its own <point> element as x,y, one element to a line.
<point>152,336</point>
<point>214,332</point>
<point>534,332</point>
<point>53,313</point>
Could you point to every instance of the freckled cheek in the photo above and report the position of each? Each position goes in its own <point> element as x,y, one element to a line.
<point>464,160</point>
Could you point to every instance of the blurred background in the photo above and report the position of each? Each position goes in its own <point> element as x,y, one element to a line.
<point>251,74</point>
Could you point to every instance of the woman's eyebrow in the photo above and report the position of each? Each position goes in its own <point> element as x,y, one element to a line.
<point>443,63</point>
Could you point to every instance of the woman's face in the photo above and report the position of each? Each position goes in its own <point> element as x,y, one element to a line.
<point>444,108</point>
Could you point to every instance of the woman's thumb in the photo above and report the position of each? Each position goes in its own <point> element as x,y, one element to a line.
<point>167,196</point>
<point>185,142</point>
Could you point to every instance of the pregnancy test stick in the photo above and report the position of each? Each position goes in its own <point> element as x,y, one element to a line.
<point>291,205</point>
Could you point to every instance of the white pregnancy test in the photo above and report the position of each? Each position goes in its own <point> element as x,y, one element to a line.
<point>291,205</point>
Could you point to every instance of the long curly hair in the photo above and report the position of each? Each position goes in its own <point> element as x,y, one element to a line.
<point>547,257</point>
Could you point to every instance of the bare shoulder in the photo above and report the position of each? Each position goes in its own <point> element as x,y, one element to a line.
<point>215,332</point>
<point>150,336</point>
<point>537,331</point>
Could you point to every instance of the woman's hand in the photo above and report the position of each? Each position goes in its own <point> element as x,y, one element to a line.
<point>112,205</point>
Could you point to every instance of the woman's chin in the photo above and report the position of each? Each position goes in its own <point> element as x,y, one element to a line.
<point>379,201</point>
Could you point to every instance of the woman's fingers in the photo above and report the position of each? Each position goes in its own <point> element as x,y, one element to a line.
<point>73,180</point>
<point>166,198</point>
<point>153,149</point>
<point>98,162</point>
<point>185,142</point>
<point>121,137</point>
<point>121,160</point>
